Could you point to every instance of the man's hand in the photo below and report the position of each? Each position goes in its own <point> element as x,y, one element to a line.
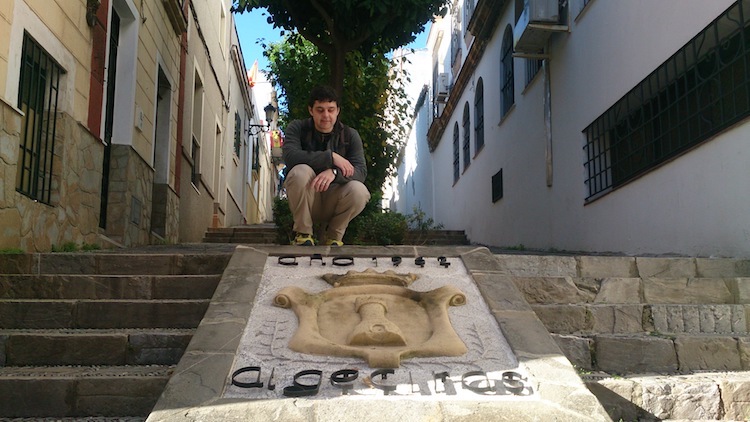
<point>323,180</point>
<point>347,169</point>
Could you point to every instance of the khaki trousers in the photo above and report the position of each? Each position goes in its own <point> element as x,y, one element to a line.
<point>334,208</point>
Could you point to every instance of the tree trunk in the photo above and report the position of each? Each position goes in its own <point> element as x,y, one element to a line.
<point>337,62</point>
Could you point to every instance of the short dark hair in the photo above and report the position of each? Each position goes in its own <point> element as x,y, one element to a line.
<point>322,93</point>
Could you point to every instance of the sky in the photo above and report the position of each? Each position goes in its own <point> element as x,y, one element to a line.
<point>253,25</point>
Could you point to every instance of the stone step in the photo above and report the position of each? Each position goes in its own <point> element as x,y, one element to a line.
<point>71,286</point>
<point>596,318</point>
<point>641,353</point>
<point>103,263</point>
<point>73,391</point>
<point>704,396</point>
<point>39,314</point>
<point>93,347</point>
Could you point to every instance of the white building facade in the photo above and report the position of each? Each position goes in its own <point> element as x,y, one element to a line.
<point>587,125</point>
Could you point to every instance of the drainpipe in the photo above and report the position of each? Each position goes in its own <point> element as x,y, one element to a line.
<point>181,100</point>
<point>547,120</point>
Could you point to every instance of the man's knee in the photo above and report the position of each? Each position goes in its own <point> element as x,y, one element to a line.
<point>359,194</point>
<point>301,174</point>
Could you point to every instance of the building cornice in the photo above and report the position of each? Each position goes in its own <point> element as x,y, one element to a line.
<point>482,25</point>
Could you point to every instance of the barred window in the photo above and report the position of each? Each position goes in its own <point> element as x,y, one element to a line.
<point>508,97</point>
<point>456,160</point>
<point>532,68</point>
<point>467,136</point>
<point>479,117</point>
<point>699,91</point>
<point>237,134</point>
<point>38,94</point>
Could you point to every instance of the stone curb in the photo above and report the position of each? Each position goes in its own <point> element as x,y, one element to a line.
<point>195,390</point>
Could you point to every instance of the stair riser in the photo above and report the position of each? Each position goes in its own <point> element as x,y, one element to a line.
<point>87,349</point>
<point>107,287</point>
<point>115,264</point>
<point>72,397</point>
<point>101,314</point>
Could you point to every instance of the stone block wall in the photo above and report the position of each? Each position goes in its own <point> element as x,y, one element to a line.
<point>674,319</point>
<point>73,215</point>
<point>130,197</point>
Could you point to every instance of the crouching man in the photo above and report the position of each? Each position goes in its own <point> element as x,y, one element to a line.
<point>325,171</point>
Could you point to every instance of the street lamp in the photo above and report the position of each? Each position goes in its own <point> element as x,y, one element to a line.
<point>256,129</point>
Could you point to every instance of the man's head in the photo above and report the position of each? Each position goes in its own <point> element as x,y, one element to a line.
<point>323,106</point>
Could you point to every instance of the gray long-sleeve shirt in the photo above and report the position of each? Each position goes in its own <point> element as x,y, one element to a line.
<point>304,145</point>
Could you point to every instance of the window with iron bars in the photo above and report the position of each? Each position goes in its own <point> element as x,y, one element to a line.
<point>456,158</point>
<point>38,93</point>
<point>506,66</point>
<point>479,117</point>
<point>237,134</point>
<point>467,136</point>
<point>700,90</point>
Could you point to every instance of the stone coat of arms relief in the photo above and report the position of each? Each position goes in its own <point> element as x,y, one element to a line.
<point>374,316</point>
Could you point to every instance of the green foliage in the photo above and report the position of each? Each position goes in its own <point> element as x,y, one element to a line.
<point>284,220</point>
<point>379,228</point>
<point>369,104</point>
<point>11,251</point>
<point>73,247</point>
<point>417,221</point>
<point>339,27</point>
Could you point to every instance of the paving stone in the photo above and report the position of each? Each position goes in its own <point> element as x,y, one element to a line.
<point>686,291</point>
<point>735,394</point>
<point>136,264</point>
<point>157,348</point>
<point>618,397</point>
<point>617,319</point>
<point>54,348</point>
<point>741,286</point>
<point>132,396</point>
<point>549,290</point>
<point>743,344</point>
<point>619,290</point>
<point>538,265</point>
<point>607,266</point>
<point>34,314</point>
<point>184,286</point>
<point>140,314</point>
<point>20,398</point>
<point>677,400</point>
<point>17,263</point>
<point>500,292</point>
<point>665,267</point>
<point>712,353</point>
<point>722,267</point>
<point>564,319</point>
<point>624,355</point>
<point>576,349</point>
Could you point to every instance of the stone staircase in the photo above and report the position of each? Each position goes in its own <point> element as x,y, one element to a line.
<point>266,234</point>
<point>654,338</point>
<point>252,234</point>
<point>97,334</point>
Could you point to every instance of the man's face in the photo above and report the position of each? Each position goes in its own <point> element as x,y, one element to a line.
<point>324,114</point>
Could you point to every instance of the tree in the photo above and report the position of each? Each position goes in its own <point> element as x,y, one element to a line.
<point>376,106</point>
<point>338,27</point>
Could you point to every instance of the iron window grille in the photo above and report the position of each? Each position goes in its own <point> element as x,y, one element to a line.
<point>479,117</point>
<point>256,155</point>
<point>508,97</point>
<point>699,91</point>
<point>467,136</point>
<point>455,46</point>
<point>532,68</point>
<point>456,160</point>
<point>195,155</point>
<point>38,93</point>
<point>237,134</point>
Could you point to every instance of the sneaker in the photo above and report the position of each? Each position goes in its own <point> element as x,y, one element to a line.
<point>334,242</point>
<point>303,239</point>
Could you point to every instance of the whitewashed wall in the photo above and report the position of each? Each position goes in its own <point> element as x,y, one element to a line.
<point>699,204</point>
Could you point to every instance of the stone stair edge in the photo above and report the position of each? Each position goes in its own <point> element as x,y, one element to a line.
<point>78,371</point>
